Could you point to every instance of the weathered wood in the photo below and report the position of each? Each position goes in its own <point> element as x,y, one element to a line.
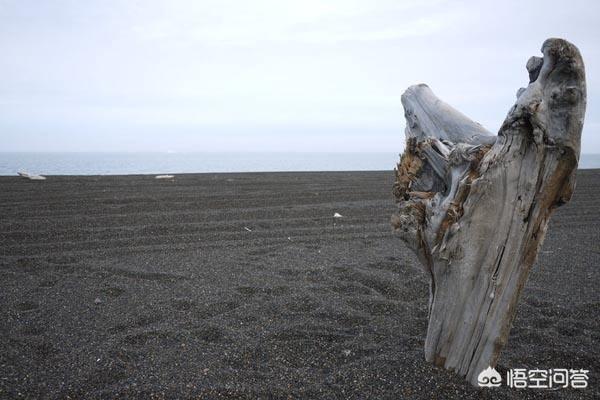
<point>475,207</point>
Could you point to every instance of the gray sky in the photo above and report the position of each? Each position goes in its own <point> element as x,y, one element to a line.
<point>273,75</point>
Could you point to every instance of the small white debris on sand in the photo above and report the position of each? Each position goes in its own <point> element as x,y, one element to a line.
<point>31,177</point>
<point>164,176</point>
<point>337,215</point>
<point>248,229</point>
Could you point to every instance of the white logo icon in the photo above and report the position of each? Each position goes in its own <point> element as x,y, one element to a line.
<point>489,377</point>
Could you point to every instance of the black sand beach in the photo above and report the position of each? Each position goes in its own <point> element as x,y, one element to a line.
<point>245,286</point>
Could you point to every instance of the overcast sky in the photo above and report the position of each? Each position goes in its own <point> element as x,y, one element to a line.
<point>276,75</point>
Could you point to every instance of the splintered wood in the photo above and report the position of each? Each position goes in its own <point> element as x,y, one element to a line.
<point>475,207</point>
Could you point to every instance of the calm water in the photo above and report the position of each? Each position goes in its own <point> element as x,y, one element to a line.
<point>155,163</point>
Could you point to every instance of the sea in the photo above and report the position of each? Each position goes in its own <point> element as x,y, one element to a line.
<point>172,163</point>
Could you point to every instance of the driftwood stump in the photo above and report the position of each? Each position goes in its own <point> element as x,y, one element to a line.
<point>475,207</point>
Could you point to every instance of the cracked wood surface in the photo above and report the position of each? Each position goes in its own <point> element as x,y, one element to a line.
<point>475,207</point>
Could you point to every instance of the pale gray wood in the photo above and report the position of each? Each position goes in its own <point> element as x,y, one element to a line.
<point>475,207</point>
<point>31,177</point>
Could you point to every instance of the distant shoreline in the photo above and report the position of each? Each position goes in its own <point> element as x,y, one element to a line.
<point>191,174</point>
<point>114,164</point>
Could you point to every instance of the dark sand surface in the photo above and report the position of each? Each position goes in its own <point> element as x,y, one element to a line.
<point>132,287</point>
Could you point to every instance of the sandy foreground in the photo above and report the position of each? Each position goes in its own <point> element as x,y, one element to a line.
<point>245,286</point>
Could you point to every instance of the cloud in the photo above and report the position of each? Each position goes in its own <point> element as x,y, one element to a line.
<point>307,22</point>
<point>113,67</point>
